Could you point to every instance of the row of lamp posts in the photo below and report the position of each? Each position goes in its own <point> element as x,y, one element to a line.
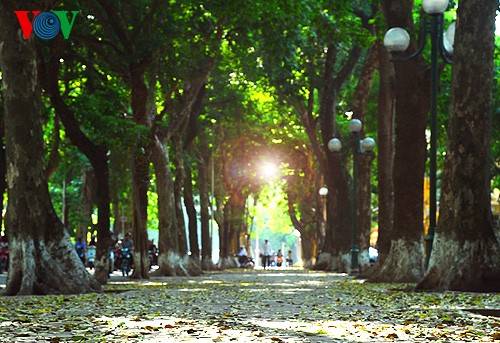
<point>397,40</point>
<point>359,147</point>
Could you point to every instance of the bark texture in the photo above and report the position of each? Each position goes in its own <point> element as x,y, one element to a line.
<point>167,241</point>
<point>385,149</point>
<point>43,260</point>
<point>364,190</point>
<point>337,239</point>
<point>191,212</point>
<point>178,192</point>
<point>466,251</point>
<point>140,173</point>
<point>412,80</point>
<point>307,225</point>
<point>203,157</point>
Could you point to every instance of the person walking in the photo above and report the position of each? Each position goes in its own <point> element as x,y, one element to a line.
<point>81,249</point>
<point>279,258</point>
<point>266,254</point>
<point>289,259</point>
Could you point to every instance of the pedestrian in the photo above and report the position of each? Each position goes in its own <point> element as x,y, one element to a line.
<point>279,258</point>
<point>91,253</point>
<point>242,256</point>
<point>266,254</point>
<point>81,249</point>
<point>289,259</point>
<point>112,252</point>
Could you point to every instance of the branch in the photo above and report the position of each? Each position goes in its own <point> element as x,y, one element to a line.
<point>348,67</point>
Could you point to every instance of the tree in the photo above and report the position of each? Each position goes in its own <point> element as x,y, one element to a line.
<point>43,259</point>
<point>203,157</point>
<point>97,154</point>
<point>305,208</point>
<point>466,251</point>
<point>385,152</point>
<point>404,261</point>
<point>308,54</point>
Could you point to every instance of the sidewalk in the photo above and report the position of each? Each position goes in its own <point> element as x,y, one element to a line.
<point>277,305</point>
<point>116,276</point>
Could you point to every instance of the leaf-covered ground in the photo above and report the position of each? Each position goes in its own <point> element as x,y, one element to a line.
<point>252,306</point>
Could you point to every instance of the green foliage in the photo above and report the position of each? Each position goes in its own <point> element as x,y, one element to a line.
<point>271,211</point>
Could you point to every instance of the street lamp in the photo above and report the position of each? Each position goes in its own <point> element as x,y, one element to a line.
<point>397,40</point>
<point>359,147</point>
<point>323,192</point>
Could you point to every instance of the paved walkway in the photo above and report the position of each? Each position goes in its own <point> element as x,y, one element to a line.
<point>278,305</point>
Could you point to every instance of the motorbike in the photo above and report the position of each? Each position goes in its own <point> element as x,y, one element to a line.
<point>246,262</point>
<point>125,261</point>
<point>153,258</point>
<point>4,257</point>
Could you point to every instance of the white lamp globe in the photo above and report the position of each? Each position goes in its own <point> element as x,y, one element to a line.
<point>450,33</point>
<point>434,6</point>
<point>323,191</point>
<point>355,125</point>
<point>448,47</point>
<point>396,40</point>
<point>334,145</point>
<point>367,144</point>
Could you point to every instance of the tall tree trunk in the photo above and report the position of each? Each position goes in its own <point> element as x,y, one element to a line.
<point>100,166</point>
<point>117,215</point>
<point>178,185</point>
<point>466,251</point>
<point>309,240</point>
<point>191,212</point>
<point>364,213</point>
<point>3,166</point>
<point>234,214</point>
<point>87,204</point>
<point>337,240</point>
<point>404,263</point>
<point>308,232</point>
<point>191,265</point>
<point>169,259</point>
<point>140,175</point>
<point>206,238</point>
<point>43,260</point>
<point>228,235</point>
<point>54,158</point>
<point>385,153</point>
<point>337,247</point>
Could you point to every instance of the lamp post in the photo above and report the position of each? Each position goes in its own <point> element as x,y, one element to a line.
<point>359,147</point>
<point>323,192</point>
<point>397,40</point>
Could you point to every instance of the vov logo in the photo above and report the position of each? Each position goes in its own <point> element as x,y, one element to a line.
<point>46,25</point>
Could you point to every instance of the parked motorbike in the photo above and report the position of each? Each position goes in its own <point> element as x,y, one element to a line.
<point>246,262</point>
<point>4,257</point>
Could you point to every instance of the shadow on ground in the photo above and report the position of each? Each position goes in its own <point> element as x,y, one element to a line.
<point>280,305</point>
